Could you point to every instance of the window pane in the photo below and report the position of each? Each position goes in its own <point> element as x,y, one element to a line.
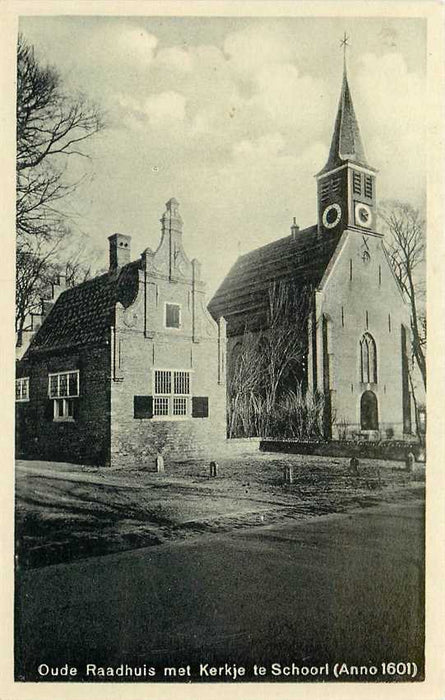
<point>73,384</point>
<point>161,406</point>
<point>58,408</point>
<point>172,315</point>
<point>163,384</point>
<point>18,392</point>
<point>69,408</point>
<point>179,406</point>
<point>63,385</point>
<point>182,383</point>
<point>53,384</point>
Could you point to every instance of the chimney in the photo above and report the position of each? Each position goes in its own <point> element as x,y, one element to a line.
<point>294,229</point>
<point>120,250</point>
<point>58,287</point>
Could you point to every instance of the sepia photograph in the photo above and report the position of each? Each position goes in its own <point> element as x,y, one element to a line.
<point>220,347</point>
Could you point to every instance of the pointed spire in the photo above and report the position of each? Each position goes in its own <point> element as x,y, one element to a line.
<point>346,144</point>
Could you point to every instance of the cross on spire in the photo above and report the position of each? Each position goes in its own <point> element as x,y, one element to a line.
<point>344,45</point>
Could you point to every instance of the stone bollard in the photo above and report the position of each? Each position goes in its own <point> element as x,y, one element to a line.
<point>288,475</point>
<point>353,465</point>
<point>159,464</point>
<point>409,462</point>
<point>213,469</point>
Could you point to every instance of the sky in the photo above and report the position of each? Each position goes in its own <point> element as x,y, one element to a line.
<point>233,117</point>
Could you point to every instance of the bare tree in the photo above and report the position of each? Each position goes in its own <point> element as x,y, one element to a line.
<point>268,366</point>
<point>406,247</point>
<point>41,263</point>
<point>285,343</point>
<point>245,386</point>
<point>51,128</point>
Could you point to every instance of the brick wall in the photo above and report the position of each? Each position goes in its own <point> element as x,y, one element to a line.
<point>83,440</point>
<point>136,441</point>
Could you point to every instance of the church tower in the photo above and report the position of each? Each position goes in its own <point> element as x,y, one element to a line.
<point>346,185</point>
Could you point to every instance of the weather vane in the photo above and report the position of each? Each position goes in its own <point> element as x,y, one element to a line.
<point>344,45</point>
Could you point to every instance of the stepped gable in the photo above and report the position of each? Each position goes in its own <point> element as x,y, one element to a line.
<point>301,259</point>
<point>83,314</point>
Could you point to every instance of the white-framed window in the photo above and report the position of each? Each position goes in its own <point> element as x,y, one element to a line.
<point>63,389</point>
<point>22,389</point>
<point>63,384</point>
<point>172,392</point>
<point>63,409</point>
<point>172,315</point>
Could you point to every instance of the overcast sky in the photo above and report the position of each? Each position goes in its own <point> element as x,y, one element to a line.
<point>233,117</point>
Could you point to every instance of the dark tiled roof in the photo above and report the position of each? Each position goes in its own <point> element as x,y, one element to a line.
<point>301,260</point>
<point>83,315</point>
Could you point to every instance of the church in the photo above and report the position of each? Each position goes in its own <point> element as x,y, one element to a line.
<point>357,330</point>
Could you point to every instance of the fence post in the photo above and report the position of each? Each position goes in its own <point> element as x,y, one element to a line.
<point>159,464</point>
<point>288,475</point>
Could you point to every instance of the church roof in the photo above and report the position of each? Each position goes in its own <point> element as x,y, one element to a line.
<point>83,314</point>
<point>300,259</point>
<point>346,144</point>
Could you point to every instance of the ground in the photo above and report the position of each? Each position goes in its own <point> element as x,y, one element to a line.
<point>340,588</point>
<point>67,512</point>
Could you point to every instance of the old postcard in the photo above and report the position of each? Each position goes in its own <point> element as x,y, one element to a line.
<point>223,237</point>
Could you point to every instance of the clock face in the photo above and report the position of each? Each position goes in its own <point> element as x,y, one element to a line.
<point>331,215</point>
<point>363,215</point>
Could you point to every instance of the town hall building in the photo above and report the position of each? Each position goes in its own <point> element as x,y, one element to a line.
<point>127,365</point>
<point>357,330</point>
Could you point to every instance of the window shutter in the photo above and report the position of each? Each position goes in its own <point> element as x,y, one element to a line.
<point>200,406</point>
<point>48,410</point>
<point>143,407</point>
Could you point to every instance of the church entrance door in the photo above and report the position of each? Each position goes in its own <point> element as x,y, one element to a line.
<point>369,414</point>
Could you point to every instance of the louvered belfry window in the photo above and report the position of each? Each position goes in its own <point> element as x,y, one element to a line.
<point>368,186</point>
<point>357,183</point>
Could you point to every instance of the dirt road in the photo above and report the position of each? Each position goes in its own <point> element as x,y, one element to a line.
<point>339,588</point>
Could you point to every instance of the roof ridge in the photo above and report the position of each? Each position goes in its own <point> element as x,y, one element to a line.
<point>280,240</point>
<point>111,274</point>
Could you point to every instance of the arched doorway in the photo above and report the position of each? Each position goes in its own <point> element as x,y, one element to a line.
<point>369,412</point>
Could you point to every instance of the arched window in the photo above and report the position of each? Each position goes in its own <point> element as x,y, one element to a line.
<point>368,359</point>
<point>369,414</point>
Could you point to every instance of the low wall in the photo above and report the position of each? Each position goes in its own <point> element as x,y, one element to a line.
<point>238,446</point>
<point>394,450</point>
